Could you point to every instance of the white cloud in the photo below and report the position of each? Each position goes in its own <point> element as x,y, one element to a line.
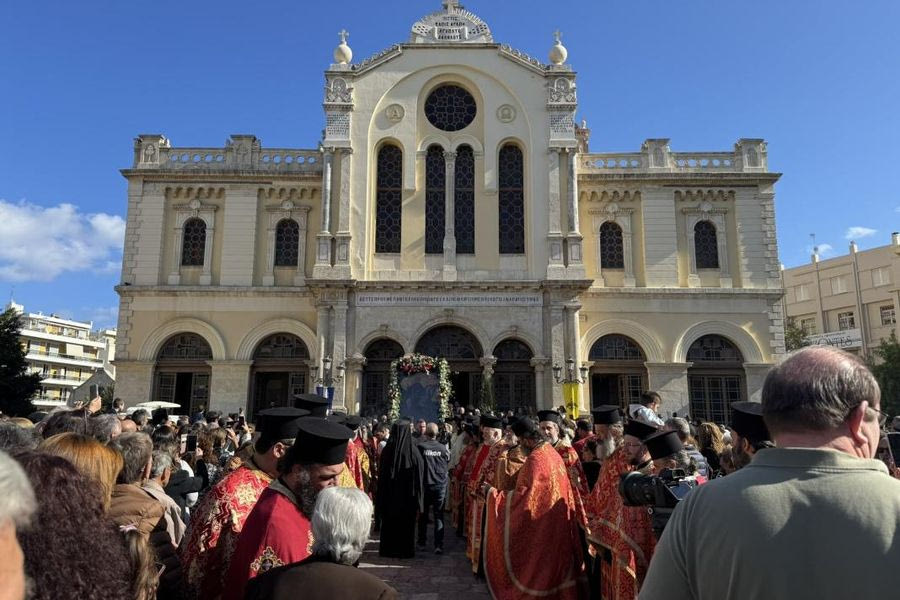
<point>824,250</point>
<point>102,316</point>
<point>39,243</point>
<point>856,233</point>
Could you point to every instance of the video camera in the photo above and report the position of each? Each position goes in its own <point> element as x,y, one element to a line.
<point>661,493</point>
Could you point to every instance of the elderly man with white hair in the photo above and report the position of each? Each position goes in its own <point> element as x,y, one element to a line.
<point>17,504</point>
<point>340,527</point>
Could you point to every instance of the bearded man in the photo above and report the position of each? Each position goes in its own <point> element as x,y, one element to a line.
<point>748,432</point>
<point>538,512</point>
<point>550,426</point>
<point>482,472</point>
<point>278,530</point>
<point>622,535</point>
<point>217,521</point>
<point>510,461</point>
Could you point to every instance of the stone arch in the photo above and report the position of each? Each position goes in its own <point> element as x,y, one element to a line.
<point>153,342</point>
<point>520,336</point>
<point>263,330</point>
<point>466,324</point>
<point>434,139</point>
<point>739,336</point>
<point>464,139</point>
<point>382,333</point>
<point>648,342</point>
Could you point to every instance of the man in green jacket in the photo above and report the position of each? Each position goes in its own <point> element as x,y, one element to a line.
<point>816,517</point>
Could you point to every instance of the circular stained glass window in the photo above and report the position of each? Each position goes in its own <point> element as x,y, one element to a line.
<point>450,108</point>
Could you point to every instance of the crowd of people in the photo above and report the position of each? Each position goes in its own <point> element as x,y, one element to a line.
<point>99,504</point>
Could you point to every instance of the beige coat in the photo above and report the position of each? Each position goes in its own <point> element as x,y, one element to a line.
<point>174,525</point>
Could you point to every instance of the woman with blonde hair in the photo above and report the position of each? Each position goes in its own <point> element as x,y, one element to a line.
<point>712,445</point>
<point>97,461</point>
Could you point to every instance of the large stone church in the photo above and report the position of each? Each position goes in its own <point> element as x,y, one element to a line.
<point>452,208</point>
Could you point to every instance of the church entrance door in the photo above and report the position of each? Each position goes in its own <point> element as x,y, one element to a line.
<point>461,349</point>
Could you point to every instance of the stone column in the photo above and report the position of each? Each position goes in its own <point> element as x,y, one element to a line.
<point>670,380</point>
<point>339,351</point>
<point>134,380</point>
<point>755,374</point>
<point>322,314</point>
<point>343,236</point>
<point>693,275</point>
<point>556,269</point>
<point>353,386</point>
<point>323,239</point>
<point>206,275</point>
<point>557,349</point>
<point>449,216</point>
<point>539,364</point>
<point>573,349</point>
<point>575,265</point>
<point>229,385</point>
<point>175,275</point>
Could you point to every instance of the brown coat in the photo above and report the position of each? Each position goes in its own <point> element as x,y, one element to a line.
<point>317,579</point>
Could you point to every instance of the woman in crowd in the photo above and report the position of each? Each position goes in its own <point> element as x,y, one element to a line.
<point>712,446</point>
<point>95,460</point>
<point>400,492</point>
<point>73,550</point>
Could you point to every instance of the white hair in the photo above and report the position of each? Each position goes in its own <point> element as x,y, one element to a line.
<point>340,524</point>
<point>17,502</point>
<point>161,461</point>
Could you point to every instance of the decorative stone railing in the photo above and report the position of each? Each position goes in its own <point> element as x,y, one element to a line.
<point>241,153</point>
<point>749,156</point>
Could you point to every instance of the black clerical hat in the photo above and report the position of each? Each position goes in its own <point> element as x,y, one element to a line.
<point>315,404</point>
<point>639,430</point>
<point>491,421</point>
<point>663,444</point>
<point>747,421</point>
<point>606,414</point>
<point>352,422</point>
<point>279,423</point>
<point>523,425</point>
<point>321,442</point>
<point>550,415</point>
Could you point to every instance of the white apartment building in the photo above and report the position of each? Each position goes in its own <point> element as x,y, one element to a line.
<point>66,353</point>
<point>848,301</point>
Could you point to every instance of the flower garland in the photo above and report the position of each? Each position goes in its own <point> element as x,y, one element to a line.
<point>411,364</point>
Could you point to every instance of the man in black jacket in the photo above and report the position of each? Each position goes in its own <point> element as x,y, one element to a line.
<point>437,460</point>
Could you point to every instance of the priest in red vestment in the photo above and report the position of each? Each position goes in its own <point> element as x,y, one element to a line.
<point>482,472</point>
<point>458,480</point>
<point>219,518</point>
<point>622,535</point>
<point>550,424</point>
<point>532,546</point>
<point>278,532</point>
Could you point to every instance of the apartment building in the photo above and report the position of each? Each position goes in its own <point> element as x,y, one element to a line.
<point>848,301</point>
<point>66,353</point>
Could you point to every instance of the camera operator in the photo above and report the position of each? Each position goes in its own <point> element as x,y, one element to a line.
<point>813,517</point>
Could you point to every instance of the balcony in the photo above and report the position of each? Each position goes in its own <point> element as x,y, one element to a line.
<point>63,380</point>
<point>64,359</point>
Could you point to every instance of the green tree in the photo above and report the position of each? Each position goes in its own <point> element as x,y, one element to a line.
<point>794,336</point>
<point>887,372</point>
<point>17,386</point>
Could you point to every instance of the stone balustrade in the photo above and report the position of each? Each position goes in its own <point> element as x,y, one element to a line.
<point>748,156</point>
<point>241,153</point>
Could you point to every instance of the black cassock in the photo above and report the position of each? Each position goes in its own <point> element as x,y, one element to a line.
<point>400,493</point>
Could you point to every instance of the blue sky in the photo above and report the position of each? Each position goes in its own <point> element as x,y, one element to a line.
<point>78,80</point>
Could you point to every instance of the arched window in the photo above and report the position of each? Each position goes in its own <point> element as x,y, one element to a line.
<point>706,246</point>
<point>281,346</point>
<point>618,373</point>
<point>512,200</point>
<point>193,245</point>
<point>182,372</point>
<point>464,200</point>
<point>450,342</point>
<point>287,243</point>
<point>388,199</point>
<point>612,250</point>
<point>715,377</point>
<point>435,176</point>
<point>185,346</point>
<point>513,377</point>
<point>377,376</point>
<point>616,347</point>
<point>279,373</point>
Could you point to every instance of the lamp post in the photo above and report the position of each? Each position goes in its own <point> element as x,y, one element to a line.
<point>325,383</point>
<point>570,383</point>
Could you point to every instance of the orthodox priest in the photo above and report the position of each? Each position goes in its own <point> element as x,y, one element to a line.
<point>538,513</point>
<point>550,426</point>
<point>510,461</point>
<point>278,531</point>
<point>359,445</point>
<point>482,472</point>
<point>219,518</point>
<point>622,535</point>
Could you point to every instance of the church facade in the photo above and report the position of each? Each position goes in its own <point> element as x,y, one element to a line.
<point>452,208</point>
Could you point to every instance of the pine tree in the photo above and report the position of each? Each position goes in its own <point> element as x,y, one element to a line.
<point>794,336</point>
<point>17,386</point>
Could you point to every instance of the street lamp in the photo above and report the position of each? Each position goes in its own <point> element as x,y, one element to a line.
<point>570,383</point>
<point>325,383</point>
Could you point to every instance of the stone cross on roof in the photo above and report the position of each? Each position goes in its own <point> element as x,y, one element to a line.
<point>557,35</point>
<point>343,33</point>
<point>448,4</point>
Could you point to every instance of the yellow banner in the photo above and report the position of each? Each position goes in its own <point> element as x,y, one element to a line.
<point>570,396</point>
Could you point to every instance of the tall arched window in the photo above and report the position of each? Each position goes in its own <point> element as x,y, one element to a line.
<point>182,373</point>
<point>435,177</point>
<point>193,245</point>
<point>715,377</point>
<point>464,200</point>
<point>287,243</point>
<point>706,246</point>
<point>618,372</point>
<point>388,199</point>
<point>512,200</point>
<point>513,377</point>
<point>612,250</point>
